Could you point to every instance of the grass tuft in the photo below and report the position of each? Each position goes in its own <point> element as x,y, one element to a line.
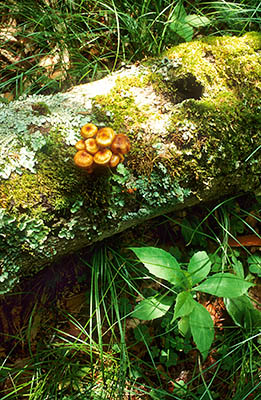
<point>48,46</point>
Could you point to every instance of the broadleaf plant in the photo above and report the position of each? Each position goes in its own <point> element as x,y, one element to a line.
<point>254,262</point>
<point>153,307</point>
<point>193,317</point>
<point>183,24</point>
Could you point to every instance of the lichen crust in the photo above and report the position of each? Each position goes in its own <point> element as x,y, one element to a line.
<point>193,118</point>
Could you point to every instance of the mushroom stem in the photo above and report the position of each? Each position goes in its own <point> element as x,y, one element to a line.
<point>114,161</point>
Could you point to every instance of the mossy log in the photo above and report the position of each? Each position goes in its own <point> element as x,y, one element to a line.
<point>193,119</point>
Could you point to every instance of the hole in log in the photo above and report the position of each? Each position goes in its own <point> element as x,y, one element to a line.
<point>187,87</point>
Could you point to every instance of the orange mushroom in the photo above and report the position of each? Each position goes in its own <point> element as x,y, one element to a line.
<point>91,145</point>
<point>83,159</point>
<point>89,130</point>
<point>114,161</point>
<point>105,137</point>
<point>120,144</point>
<point>102,157</point>
<point>100,147</point>
<point>80,145</point>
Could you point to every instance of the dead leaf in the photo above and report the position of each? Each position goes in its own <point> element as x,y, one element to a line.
<point>35,326</point>
<point>74,303</point>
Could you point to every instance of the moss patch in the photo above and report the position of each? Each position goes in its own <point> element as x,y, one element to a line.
<point>193,117</point>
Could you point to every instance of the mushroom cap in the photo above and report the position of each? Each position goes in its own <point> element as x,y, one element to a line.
<point>120,144</point>
<point>102,157</point>
<point>80,145</point>
<point>83,159</point>
<point>89,130</point>
<point>105,137</point>
<point>91,145</point>
<point>114,161</point>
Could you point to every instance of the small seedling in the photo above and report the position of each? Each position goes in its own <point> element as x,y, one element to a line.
<point>193,317</point>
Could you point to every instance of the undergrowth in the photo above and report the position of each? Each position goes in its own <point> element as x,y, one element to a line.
<point>48,45</point>
<point>90,344</point>
<point>87,344</point>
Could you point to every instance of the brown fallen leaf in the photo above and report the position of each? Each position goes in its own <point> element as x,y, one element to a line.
<point>246,241</point>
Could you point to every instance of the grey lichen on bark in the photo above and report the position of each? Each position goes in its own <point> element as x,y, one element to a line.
<point>193,118</point>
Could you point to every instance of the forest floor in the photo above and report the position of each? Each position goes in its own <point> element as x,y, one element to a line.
<point>67,333</point>
<point>53,308</point>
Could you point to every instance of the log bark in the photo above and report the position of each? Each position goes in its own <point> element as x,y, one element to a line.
<point>193,119</point>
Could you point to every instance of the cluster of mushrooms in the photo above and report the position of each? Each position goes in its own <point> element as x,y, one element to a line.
<point>100,147</point>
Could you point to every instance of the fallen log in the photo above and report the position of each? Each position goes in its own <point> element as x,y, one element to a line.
<point>193,120</point>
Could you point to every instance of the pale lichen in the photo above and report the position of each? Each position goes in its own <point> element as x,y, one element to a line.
<point>193,117</point>
<point>23,122</point>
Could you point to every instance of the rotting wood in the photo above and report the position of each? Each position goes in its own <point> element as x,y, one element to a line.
<point>193,119</point>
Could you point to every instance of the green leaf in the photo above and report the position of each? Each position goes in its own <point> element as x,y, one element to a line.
<point>243,312</point>
<point>183,325</point>
<point>202,328</point>
<point>161,264</point>
<point>184,305</point>
<point>169,357</point>
<point>179,12</point>
<point>224,285</point>
<point>199,266</point>
<point>178,24</point>
<point>216,262</point>
<point>254,262</point>
<point>182,29</point>
<point>153,307</point>
<point>196,20</point>
<point>238,267</point>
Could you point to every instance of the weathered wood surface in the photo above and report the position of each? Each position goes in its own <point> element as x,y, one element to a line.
<point>193,118</point>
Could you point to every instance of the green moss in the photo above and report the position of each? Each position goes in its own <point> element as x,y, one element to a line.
<point>22,192</point>
<point>223,136</point>
<point>128,82</point>
<point>224,123</point>
<point>41,191</point>
<point>41,108</point>
<point>212,127</point>
<point>23,233</point>
<point>119,110</point>
<point>160,190</point>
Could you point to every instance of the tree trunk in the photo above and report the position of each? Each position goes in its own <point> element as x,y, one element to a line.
<point>193,120</point>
